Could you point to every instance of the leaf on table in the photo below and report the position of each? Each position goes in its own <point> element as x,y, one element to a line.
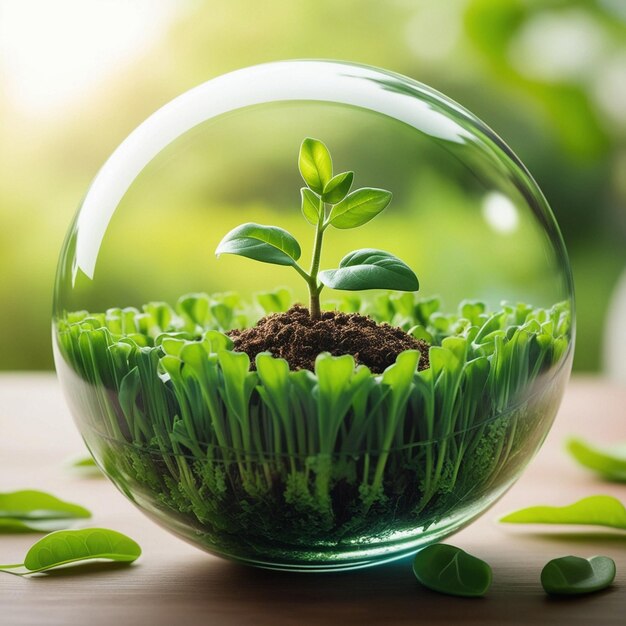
<point>573,575</point>
<point>67,547</point>
<point>592,511</point>
<point>37,505</point>
<point>83,465</point>
<point>610,463</point>
<point>448,569</point>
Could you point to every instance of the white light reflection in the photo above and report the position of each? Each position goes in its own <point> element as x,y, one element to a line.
<point>558,45</point>
<point>500,213</point>
<point>52,53</point>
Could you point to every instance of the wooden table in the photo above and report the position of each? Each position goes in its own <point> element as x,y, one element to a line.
<point>176,584</point>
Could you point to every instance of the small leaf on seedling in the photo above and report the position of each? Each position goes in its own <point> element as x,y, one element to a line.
<point>359,207</point>
<point>268,244</point>
<point>370,269</point>
<point>315,164</point>
<point>310,206</point>
<point>337,187</point>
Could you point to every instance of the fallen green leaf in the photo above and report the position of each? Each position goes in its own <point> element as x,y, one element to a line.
<point>592,511</point>
<point>38,505</point>
<point>573,575</point>
<point>453,571</point>
<point>65,547</point>
<point>84,461</point>
<point>610,463</point>
<point>84,465</point>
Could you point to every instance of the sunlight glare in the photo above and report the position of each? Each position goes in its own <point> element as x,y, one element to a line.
<point>53,53</point>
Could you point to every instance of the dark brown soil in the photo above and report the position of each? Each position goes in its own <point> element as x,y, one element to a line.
<point>298,339</point>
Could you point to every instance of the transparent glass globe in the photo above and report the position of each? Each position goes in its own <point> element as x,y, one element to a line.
<point>331,468</point>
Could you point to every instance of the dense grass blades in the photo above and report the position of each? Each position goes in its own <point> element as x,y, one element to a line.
<point>302,467</point>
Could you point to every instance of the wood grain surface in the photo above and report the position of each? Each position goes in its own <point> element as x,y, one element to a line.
<point>176,584</point>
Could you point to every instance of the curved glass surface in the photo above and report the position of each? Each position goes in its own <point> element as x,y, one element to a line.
<point>140,295</point>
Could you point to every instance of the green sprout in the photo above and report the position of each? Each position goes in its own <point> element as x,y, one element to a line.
<point>326,201</point>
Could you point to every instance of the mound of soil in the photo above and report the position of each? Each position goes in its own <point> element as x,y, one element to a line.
<point>298,339</point>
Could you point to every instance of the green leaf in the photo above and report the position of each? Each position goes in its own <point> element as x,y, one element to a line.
<point>591,511</point>
<point>83,461</point>
<point>223,315</point>
<point>370,269</point>
<point>64,547</point>
<point>268,244</point>
<point>315,164</point>
<point>275,384</point>
<point>419,332</point>
<point>450,570</point>
<point>573,575</point>
<point>338,382</point>
<point>359,207</point>
<point>310,206</point>
<point>215,341</point>
<point>610,463</point>
<point>337,188</point>
<point>84,465</point>
<point>239,382</point>
<point>38,505</point>
<point>277,301</point>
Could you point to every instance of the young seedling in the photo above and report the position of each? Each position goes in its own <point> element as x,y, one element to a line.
<point>326,201</point>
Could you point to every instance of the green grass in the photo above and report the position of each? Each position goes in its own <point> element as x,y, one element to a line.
<point>272,463</point>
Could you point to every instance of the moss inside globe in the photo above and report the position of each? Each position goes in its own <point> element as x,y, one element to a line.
<point>297,403</point>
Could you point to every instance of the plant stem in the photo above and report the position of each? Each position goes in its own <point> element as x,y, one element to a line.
<point>314,287</point>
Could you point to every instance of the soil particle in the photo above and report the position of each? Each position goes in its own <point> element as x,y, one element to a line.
<point>298,339</point>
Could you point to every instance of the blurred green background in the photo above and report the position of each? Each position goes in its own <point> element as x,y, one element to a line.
<point>77,76</point>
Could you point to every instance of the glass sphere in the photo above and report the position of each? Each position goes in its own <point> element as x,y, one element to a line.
<point>335,465</point>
